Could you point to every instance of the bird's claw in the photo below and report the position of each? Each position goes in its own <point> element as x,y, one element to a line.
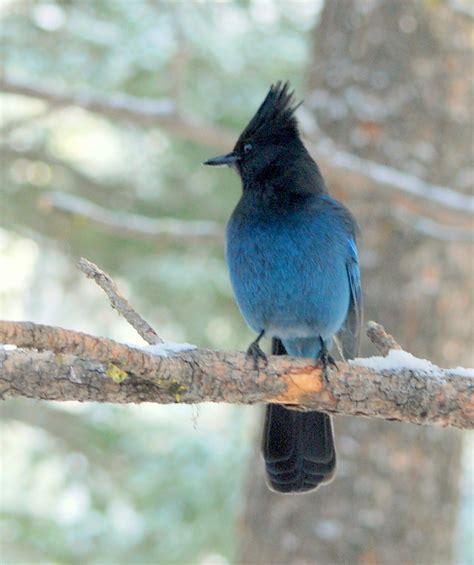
<point>326,361</point>
<point>255,352</point>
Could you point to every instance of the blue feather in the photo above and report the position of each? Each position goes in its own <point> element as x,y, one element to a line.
<point>289,268</point>
<point>349,335</point>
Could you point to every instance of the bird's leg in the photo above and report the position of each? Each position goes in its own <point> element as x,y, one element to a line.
<point>255,351</point>
<point>325,359</point>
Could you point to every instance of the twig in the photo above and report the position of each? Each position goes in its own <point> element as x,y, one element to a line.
<point>119,302</point>
<point>113,372</point>
<point>383,341</point>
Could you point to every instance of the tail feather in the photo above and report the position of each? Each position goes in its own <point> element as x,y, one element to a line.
<point>298,447</point>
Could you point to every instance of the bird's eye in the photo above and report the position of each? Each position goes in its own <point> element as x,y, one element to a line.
<point>247,148</point>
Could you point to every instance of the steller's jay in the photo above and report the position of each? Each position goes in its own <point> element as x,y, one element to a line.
<point>292,257</point>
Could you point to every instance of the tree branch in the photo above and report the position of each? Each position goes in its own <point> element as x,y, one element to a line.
<point>75,366</point>
<point>379,175</point>
<point>136,225</point>
<point>149,112</point>
<point>431,228</point>
<point>58,364</point>
<point>120,106</point>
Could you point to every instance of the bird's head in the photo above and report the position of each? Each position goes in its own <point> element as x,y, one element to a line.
<point>270,139</point>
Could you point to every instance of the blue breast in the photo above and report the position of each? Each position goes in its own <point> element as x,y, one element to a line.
<point>288,269</point>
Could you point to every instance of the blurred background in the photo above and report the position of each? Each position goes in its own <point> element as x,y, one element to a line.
<point>108,109</point>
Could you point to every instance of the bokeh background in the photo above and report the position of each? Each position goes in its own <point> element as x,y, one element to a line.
<point>109,109</point>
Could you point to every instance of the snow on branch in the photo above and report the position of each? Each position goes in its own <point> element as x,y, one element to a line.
<point>129,224</point>
<point>384,175</point>
<point>431,228</point>
<point>150,112</point>
<point>49,363</point>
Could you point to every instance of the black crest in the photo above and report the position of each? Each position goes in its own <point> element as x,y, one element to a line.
<point>275,117</point>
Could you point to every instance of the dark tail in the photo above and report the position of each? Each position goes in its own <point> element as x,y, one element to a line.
<point>298,447</point>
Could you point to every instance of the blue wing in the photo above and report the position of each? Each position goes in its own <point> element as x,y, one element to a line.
<point>349,335</point>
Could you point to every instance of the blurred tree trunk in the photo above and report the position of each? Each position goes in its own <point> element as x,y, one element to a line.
<point>388,82</point>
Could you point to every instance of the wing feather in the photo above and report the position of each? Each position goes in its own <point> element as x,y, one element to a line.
<point>349,335</point>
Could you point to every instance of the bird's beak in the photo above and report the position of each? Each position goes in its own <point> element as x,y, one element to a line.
<point>230,159</point>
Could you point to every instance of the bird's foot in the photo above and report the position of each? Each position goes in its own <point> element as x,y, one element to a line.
<point>255,352</point>
<point>326,361</point>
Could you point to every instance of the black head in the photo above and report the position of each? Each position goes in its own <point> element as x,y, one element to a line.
<point>271,139</point>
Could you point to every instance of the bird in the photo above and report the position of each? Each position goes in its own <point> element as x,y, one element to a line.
<point>292,255</point>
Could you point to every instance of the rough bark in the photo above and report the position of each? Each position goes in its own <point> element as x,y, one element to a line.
<point>388,82</point>
<point>207,376</point>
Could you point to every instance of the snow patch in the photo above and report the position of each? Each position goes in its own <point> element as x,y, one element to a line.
<point>398,360</point>
<point>462,372</point>
<point>165,349</point>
